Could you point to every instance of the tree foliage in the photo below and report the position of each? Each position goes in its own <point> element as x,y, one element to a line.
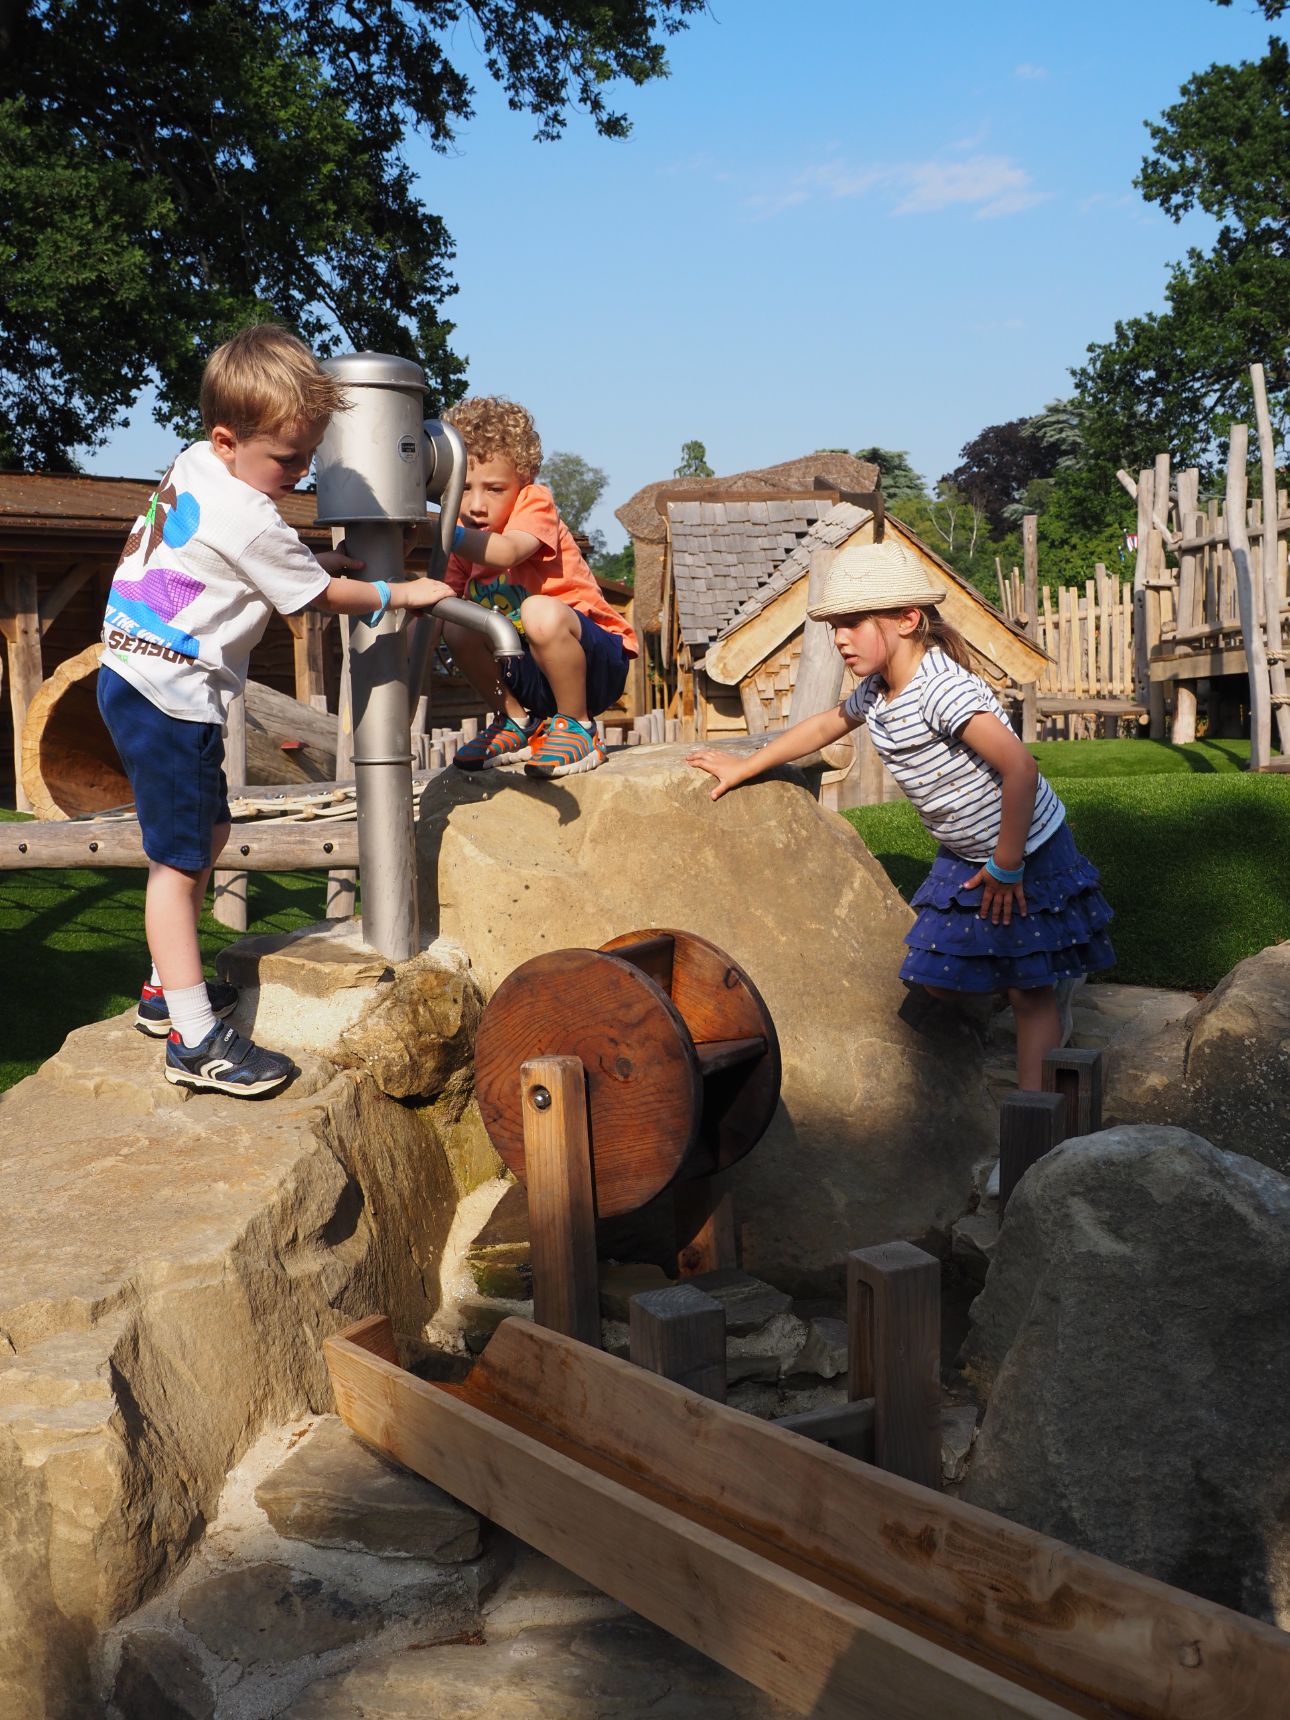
<point>1176,379</point>
<point>997,465</point>
<point>576,485</point>
<point>169,174</point>
<point>694,462</point>
<point>900,482</point>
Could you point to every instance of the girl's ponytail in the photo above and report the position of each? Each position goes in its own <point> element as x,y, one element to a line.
<point>932,630</point>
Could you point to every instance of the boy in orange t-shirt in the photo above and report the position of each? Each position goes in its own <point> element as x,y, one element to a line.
<point>514,553</point>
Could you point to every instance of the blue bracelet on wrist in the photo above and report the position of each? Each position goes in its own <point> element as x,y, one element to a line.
<point>1002,875</point>
<point>457,537</point>
<point>383,592</point>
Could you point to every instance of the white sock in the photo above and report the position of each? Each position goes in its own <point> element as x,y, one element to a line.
<point>190,1013</point>
<point>155,978</point>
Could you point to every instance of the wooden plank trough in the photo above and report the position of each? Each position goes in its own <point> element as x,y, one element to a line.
<point>839,1589</point>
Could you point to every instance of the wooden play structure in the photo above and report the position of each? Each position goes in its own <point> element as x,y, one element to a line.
<point>840,1586</point>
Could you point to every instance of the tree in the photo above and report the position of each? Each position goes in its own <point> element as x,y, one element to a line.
<point>1176,379</point>
<point>694,462</point>
<point>576,486</point>
<point>997,465</point>
<point>619,564</point>
<point>900,482</point>
<point>169,174</point>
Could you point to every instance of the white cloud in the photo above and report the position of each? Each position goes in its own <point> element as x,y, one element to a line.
<point>1029,71</point>
<point>989,185</point>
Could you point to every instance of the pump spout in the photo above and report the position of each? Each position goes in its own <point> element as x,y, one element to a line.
<point>503,640</point>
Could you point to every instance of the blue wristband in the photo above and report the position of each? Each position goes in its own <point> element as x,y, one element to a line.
<point>1002,875</point>
<point>457,537</point>
<point>383,592</point>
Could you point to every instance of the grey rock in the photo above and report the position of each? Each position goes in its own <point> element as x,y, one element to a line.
<point>782,1338</point>
<point>268,1612</point>
<point>1134,1339</point>
<point>958,1434</point>
<point>973,1242</point>
<point>825,1351</point>
<point>748,1302</point>
<point>332,1491</point>
<point>159,1676</point>
<point>615,1670</point>
<point>619,1282</point>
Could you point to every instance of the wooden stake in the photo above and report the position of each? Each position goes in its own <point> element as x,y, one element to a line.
<point>1252,634</point>
<point>894,1347</point>
<point>1270,559</point>
<point>1030,562</point>
<point>1030,1125</point>
<point>1077,1075</point>
<point>229,889</point>
<point>562,1203</point>
<point>681,1334</point>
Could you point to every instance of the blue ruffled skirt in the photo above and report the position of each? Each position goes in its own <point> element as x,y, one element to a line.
<point>1063,933</point>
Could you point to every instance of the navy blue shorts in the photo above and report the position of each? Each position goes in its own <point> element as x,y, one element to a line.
<point>176,772</point>
<point>607,666</point>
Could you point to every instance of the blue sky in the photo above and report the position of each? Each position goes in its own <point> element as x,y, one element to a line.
<point>834,225</point>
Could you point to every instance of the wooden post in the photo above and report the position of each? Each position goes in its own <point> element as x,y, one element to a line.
<point>562,1203</point>
<point>342,886</point>
<point>1252,634</point>
<point>307,657</point>
<point>228,905</point>
<point>1146,487</point>
<point>1270,560</point>
<point>705,1225</point>
<point>1030,563</point>
<point>20,624</point>
<point>1030,1125</point>
<point>1155,573</point>
<point>681,1334</point>
<point>1076,1074</point>
<point>894,1345</point>
<point>1190,521</point>
<point>819,668</point>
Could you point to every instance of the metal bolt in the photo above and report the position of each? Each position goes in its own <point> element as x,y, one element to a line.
<point>541,1099</point>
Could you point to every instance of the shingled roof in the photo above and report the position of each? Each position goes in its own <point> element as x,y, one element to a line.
<point>725,552</point>
<point>642,518</point>
<point>830,530</point>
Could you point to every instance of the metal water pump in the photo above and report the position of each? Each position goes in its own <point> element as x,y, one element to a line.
<point>376,467</point>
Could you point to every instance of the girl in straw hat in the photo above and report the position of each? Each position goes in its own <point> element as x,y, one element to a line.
<point>1010,904</point>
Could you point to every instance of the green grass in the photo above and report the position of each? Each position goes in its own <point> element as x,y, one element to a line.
<point>1197,867</point>
<point>75,950</point>
<point>1066,759</point>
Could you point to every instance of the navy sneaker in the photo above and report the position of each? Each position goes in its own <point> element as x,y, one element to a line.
<point>226,1062</point>
<point>153,1016</point>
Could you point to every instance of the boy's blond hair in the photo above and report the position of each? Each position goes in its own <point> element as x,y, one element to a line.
<point>263,381</point>
<point>491,425</point>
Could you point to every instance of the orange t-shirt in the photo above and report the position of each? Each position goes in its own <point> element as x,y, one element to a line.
<point>555,569</point>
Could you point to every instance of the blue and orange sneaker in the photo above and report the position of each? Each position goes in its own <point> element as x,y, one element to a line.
<point>153,1016</point>
<point>502,742</point>
<point>564,747</point>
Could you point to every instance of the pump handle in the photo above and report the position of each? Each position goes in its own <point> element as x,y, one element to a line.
<point>446,483</point>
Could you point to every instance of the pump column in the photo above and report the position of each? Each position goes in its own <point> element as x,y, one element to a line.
<point>372,481</point>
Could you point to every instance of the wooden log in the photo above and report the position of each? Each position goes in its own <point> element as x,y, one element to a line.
<point>819,668</point>
<point>680,1333</point>
<point>576,1452</point>
<point>753,709</point>
<point>229,889</point>
<point>306,628</point>
<point>1030,1125</point>
<point>1251,633</point>
<point>1078,1075</point>
<point>562,1202</point>
<point>1146,486</point>
<point>845,1426</point>
<point>20,625</point>
<point>1030,563</point>
<point>894,1351</point>
<point>70,767</point>
<point>271,846</point>
<point>705,1225</point>
<point>1270,560</point>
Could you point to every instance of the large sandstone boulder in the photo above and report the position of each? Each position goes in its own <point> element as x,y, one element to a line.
<point>884,1108</point>
<point>1224,1070</point>
<point>1134,1337</point>
<point>169,1268</point>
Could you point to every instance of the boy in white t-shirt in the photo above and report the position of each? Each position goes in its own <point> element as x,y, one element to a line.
<point>200,575</point>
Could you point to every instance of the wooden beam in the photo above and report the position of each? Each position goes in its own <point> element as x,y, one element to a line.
<point>562,1203</point>
<point>55,601</point>
<point>271,846</point>
<point>26,671</point>
<point>705,1224</point>
<point>845,1426</point>
<point>709,1522</point>
<point>1256,657</point>
<point>1078,1075</point>
<point>1030,1125</point>
<point>818,681</point>
<point>1269,558</point>
<point>229,888</point>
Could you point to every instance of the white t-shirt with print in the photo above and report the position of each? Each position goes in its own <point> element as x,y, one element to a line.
<point>200,575</point>
<point>958,796</point>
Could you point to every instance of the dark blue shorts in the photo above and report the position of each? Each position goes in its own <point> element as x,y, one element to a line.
<point>607,666</point>
<point>176,772</point>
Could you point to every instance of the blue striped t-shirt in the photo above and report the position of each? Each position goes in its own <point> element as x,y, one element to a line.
<point>958,796</point>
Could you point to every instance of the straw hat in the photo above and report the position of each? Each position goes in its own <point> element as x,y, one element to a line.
<point>869,576</point>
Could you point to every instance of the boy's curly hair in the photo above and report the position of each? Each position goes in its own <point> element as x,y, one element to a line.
<point>264,381</point>
<point>491,425</point>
